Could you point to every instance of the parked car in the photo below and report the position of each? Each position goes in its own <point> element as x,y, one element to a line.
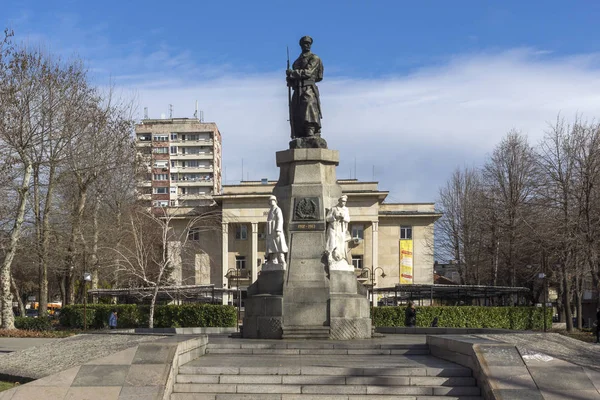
<point>31,313</point>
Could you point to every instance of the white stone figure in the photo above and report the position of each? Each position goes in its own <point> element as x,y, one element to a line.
<point>337,232</point>
<point>275,241</point>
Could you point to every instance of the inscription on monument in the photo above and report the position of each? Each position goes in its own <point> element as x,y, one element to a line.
<point>306,209</point>
<point>307,226</point>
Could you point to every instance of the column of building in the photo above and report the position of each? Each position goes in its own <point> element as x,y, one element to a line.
<point>374,256</point>
<point>254,244</point>
<point>225,259</point>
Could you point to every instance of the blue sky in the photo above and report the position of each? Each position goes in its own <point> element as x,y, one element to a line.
<point>412,90</point>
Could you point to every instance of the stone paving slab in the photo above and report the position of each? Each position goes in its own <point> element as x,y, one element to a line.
<point>61,354</point>
<point>523,369</point>
<point>143,372</point>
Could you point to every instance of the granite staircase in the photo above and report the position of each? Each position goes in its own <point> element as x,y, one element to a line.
<point>290,370</point>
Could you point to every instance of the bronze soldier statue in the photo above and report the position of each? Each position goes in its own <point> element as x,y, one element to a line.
<point>305,107</point>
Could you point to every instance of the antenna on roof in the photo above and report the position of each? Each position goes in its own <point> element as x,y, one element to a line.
<point>201,116</point>
<point>145,112</point>
<point>171,111</point>
<point>196,110</point>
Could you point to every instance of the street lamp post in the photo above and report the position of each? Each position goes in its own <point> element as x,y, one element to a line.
<point>372,272</point>
<point>86,278</point>
<point>237,283</point>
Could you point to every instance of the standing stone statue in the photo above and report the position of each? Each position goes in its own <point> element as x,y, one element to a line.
<point>305,108</point>
<point>337,228</point>
<point>275,241</point>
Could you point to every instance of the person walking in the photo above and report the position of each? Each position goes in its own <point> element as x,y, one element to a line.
<point>410,315</point>
<point>112,320</point>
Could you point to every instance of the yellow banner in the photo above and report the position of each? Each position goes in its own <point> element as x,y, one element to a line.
<point>406,262</point>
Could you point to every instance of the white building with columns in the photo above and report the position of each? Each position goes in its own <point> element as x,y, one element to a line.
<point>385,236</point>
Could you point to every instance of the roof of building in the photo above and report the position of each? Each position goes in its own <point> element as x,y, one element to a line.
<point>442,280</point>
<point>452,291</point>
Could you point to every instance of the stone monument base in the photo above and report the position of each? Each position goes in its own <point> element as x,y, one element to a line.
<point>316,295</point>
<point>349,312</point>
<point>263,317</point>
<point>311,142</point>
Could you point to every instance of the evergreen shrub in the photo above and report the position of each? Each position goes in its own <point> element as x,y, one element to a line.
<point>136,316</point>
<point>514,318</point>
<point>33,324</point>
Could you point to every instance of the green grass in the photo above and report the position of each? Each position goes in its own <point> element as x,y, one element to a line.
<point>6,385</point>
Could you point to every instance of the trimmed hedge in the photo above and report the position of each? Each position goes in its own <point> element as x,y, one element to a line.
<point>33,324</point>
<point>165,316</point>
<point>514,318</point>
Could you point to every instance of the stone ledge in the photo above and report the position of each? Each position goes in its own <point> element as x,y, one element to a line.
<point>440,331</point>
<point>146,371</point>
<point>502,372</point>
<point>294,155</point>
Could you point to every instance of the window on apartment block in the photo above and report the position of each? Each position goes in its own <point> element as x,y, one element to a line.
<point>406,232</point>
<point>173,136</point>
<point>240,262</point>
<point>194,234</point>
<point>173,149</point>
<point>241,232</point>
<point>160,190</point>
<point>160,138</point>
<point>161,177</point>
<point>160,150</point>
<point>357,261</point>
<point>160,203</point>
<point>358,232</point>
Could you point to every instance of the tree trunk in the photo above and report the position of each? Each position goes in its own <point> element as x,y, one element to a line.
<point>5,274</point>
<point>152,304</point>
<point>579,306</point>
<point>22,311</point>
<point>69,278</point>
<point>94,255</point>
<point>45,244</point>
<point>567,298</point>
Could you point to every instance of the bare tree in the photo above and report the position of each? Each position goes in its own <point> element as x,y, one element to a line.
<point>557,166</point>
<point>21,113</point>
<point>66,90</point>
<point>148,258</point>
<point>509,176</point>
<point>460,226</point>
<point>101,140</point>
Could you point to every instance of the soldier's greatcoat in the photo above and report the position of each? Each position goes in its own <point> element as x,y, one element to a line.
<point>306,106</point>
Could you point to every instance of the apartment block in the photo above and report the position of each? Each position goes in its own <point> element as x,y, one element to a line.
<point>180,161</point>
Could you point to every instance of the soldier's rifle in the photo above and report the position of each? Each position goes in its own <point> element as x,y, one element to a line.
<point>290,110</point>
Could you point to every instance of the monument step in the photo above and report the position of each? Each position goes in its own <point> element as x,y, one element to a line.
<point>316,345</point>
<point>328,380</point>
<point>457,371</point>
<point>320,351</point>
<point>326,389</point>
<point>305,332</point>
<point>277,396</point>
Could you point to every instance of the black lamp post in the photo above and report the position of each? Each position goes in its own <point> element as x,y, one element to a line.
<point>86,278</point>
<point>239,294</point>
<point>371,273</point>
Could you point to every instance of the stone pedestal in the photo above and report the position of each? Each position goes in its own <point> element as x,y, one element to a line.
<point>315,302</point>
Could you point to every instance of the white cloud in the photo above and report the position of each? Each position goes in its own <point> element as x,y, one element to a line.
<point>414,130</point>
